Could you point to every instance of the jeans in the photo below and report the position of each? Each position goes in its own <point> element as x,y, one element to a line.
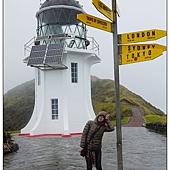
<point>98,155</point>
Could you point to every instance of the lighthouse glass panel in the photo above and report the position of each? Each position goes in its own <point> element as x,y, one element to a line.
<point>61,21</point>
<point>74,73</point>
<point>54,108</point>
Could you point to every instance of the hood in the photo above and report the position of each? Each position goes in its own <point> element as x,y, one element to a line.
<point>102,113</point>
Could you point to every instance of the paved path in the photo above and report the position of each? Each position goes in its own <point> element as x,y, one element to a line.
<point>136,120</point>
<point>142,150</point>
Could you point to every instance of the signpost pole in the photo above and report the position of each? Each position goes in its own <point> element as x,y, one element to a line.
<point>117,94</point>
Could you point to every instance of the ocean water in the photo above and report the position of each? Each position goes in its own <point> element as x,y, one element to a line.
<point>142,150</point>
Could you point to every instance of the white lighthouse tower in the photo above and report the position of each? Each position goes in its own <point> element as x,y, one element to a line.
<point>62,56</point>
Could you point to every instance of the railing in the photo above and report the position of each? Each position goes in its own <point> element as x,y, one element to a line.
<point>28,45</point>
<point>89,43</point>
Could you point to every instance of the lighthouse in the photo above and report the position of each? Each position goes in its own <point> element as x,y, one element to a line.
<point>61,55</point>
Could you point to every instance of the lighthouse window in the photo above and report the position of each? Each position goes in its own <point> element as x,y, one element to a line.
<point>39,77</point>
<point>54,108</point>
<point>74,73</point>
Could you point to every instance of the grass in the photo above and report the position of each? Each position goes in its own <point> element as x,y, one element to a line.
<point>155,118</point>
<point>14,131</point>
<point>148,119</point>
<point>123,121</point>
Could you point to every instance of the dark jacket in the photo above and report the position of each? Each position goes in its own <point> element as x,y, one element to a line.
<point>91,127</point>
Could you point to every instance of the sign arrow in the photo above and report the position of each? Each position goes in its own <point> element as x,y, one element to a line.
<point>141,36</point>
<point>95,22</point>
<point>125,49</point>
<point>102,8</point>
<point>140,56</point>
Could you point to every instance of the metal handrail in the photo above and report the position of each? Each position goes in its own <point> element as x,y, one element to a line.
<point>28,44</point>
<point>92,46</point>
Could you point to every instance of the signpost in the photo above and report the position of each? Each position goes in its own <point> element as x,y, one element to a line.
<point>110,27</point>
<point>95,22</point>
<point>140,36</point>
<point>124,49</point>
<point>102,8</point>
<point>126,53</point>
<point>140,56</point>
<point>134,53</point>
<point>117,90</point>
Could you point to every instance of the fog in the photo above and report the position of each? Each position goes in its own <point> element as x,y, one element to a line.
<point>147,79</point>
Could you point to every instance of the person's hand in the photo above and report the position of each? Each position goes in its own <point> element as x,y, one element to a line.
<point>80,149</point>
<point>107,116</point>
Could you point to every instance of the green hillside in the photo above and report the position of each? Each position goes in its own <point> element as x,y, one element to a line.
<point>103,97</point>
<point>19,102</point>
<point>18,106</point>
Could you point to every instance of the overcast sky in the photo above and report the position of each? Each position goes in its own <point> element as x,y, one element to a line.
<point>147,79</point>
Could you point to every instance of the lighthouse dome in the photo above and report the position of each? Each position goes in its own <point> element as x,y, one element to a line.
<point>62,12</point>
<point>49,3</point>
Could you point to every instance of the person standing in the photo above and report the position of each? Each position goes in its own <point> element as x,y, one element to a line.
<point>92,138</point>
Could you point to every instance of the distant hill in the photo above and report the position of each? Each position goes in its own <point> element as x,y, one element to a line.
<point>19,102</point>
<point>18,106</point>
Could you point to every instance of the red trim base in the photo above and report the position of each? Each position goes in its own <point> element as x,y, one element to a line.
<point>23,134</point>
<point>66,135</point>
<point>40,135</point>
<point>78,133</point>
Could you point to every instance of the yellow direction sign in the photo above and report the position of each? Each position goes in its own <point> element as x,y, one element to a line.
<point>140,56</point>
<point>95,22</point>
<point>140,36</point>
<point>125,49</point>
<point>101,7</point>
